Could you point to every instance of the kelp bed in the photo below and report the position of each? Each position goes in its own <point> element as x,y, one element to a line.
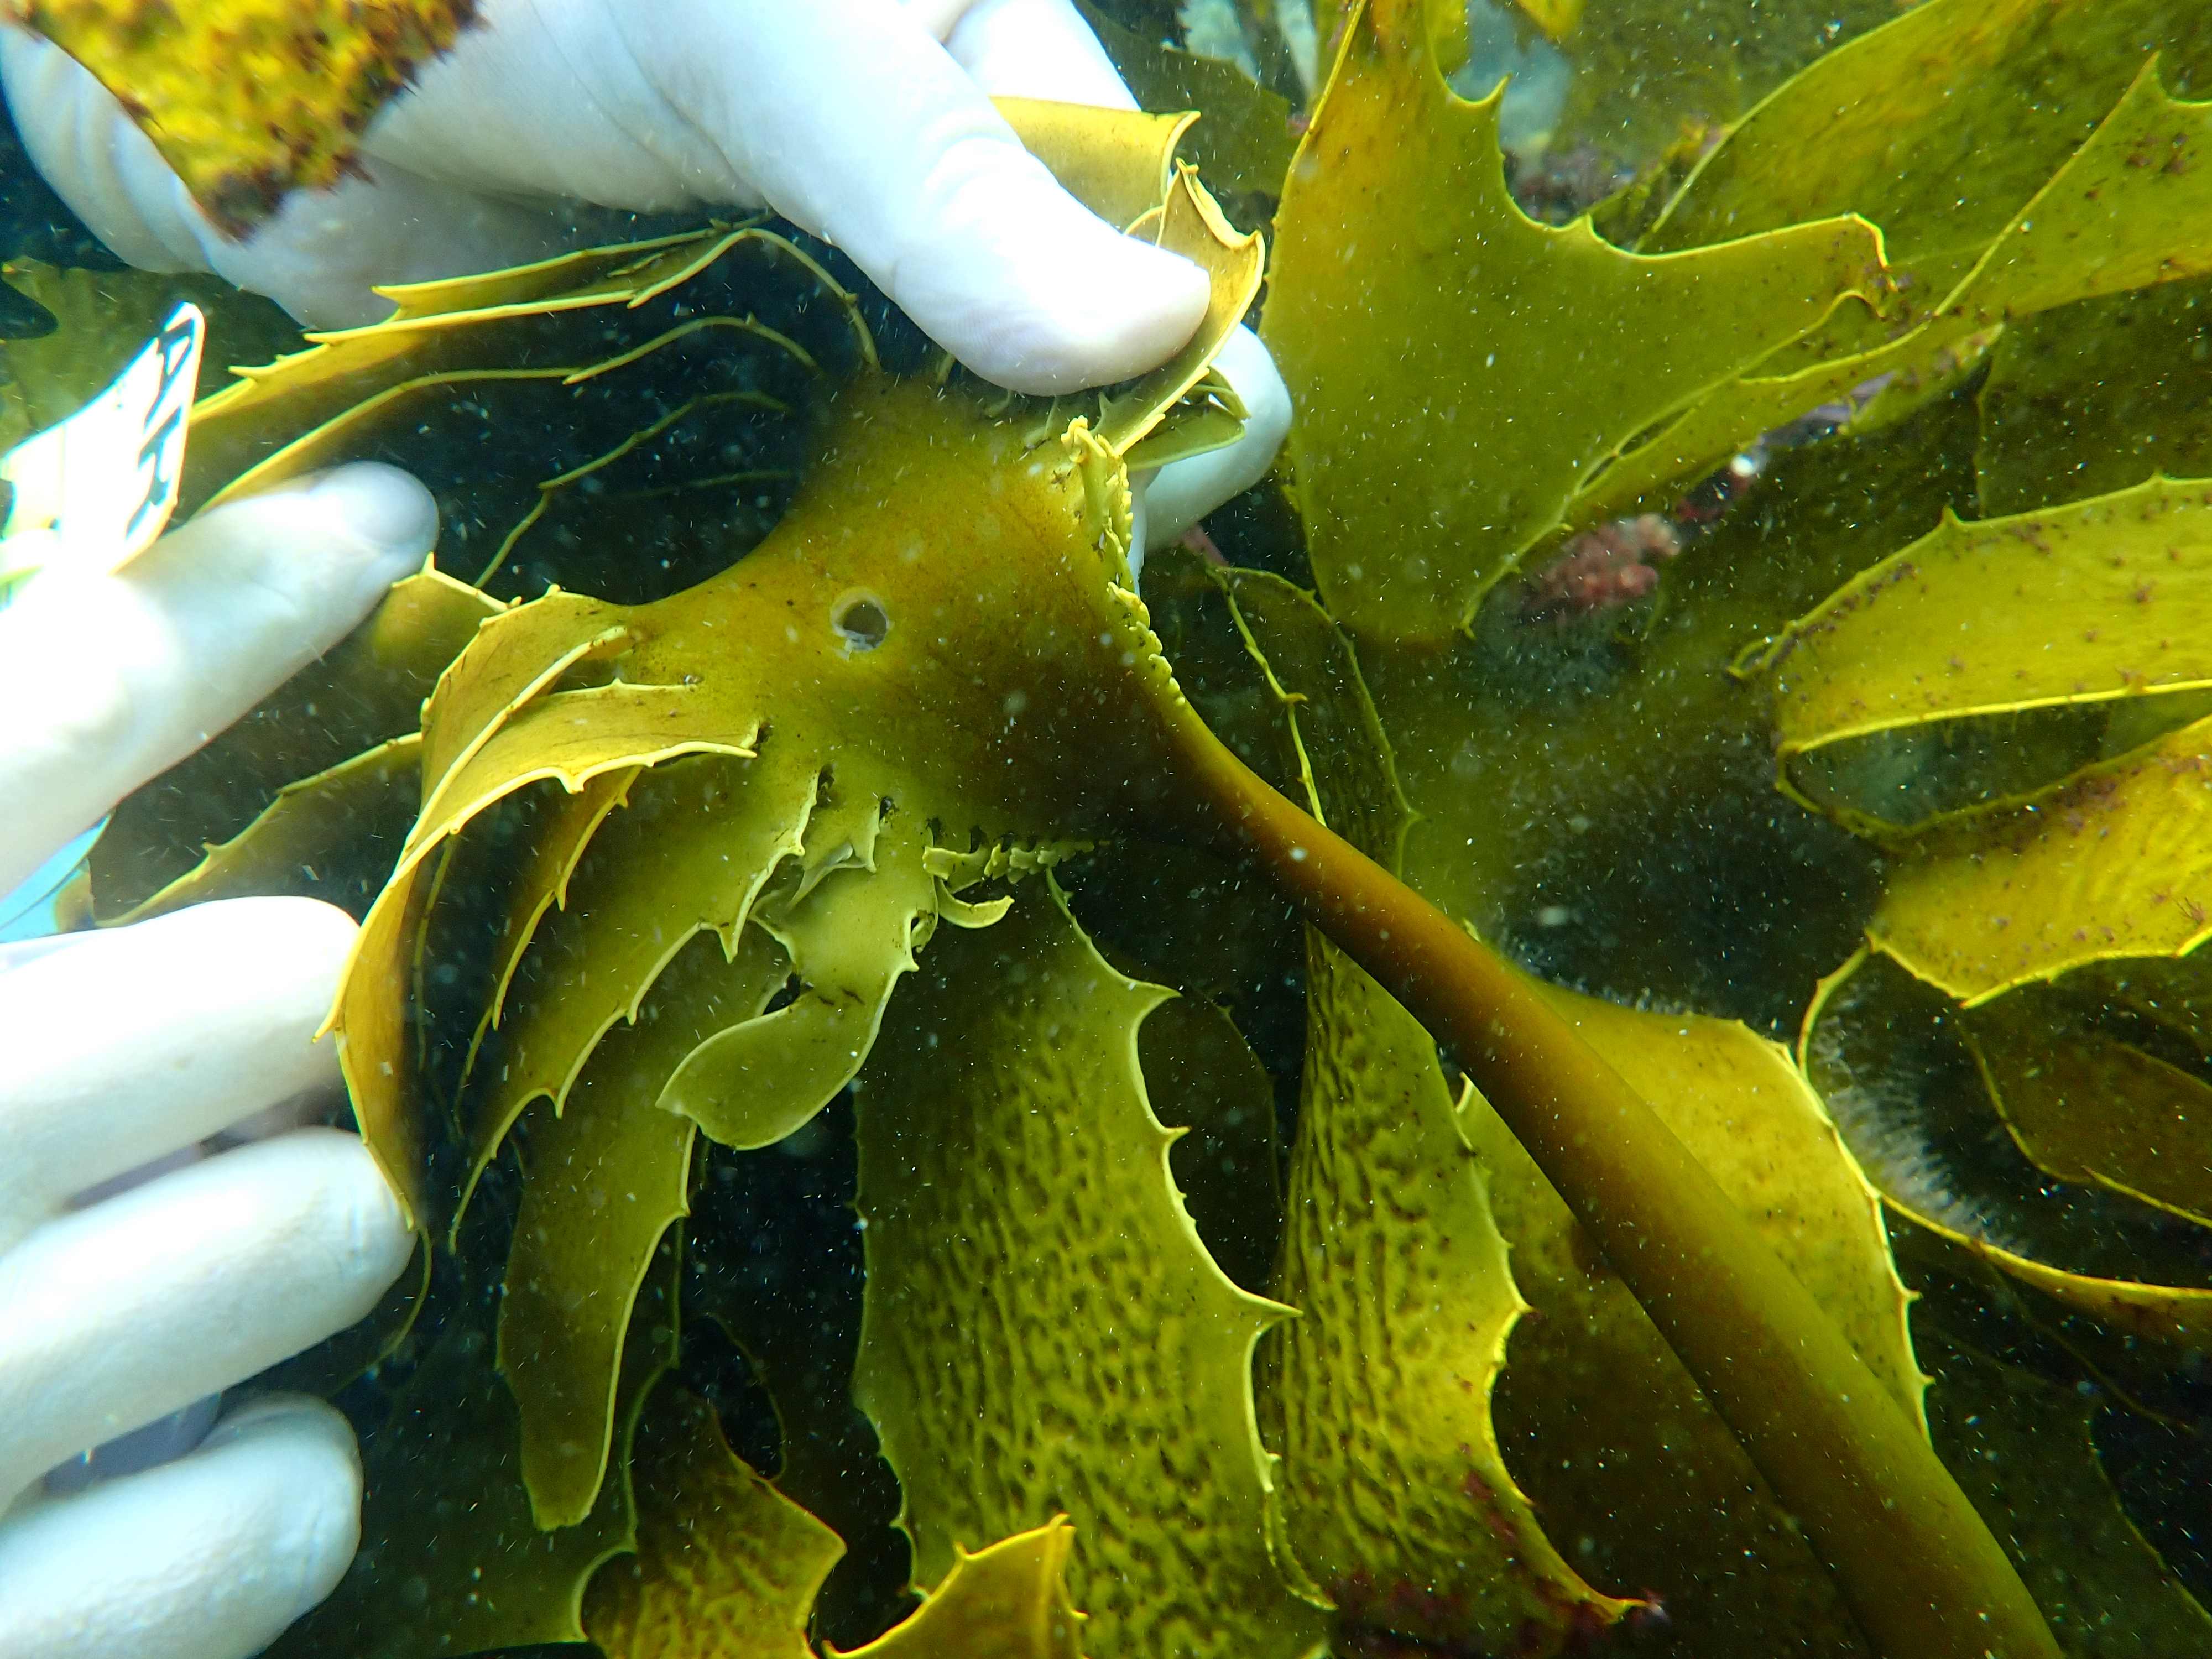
<point>874,1134</point>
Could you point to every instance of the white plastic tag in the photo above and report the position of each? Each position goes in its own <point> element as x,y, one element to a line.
<point>95,491</point>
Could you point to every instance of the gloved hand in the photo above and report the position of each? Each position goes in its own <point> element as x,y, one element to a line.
<point>867,122</point>
<point>127,1301</point>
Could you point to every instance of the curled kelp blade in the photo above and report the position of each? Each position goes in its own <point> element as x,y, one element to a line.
<point>2110,863</point>
<point>1429,330</point>
<point>2128,208</point>
<point>2088,604</point>
<point>2096,599</point>
<point>1896,1063</point>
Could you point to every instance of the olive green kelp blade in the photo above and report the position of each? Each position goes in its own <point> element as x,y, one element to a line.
<point>2130,208</point>
<point>1377,1397</point>
<point>1417,314</point>
<point>2110,597</point>
<point>1598,1421</point>
<point>2024,1450</point>
<point>249,98</point>
<point>1008,1601</point>
<point>1044,1330</point>
<point>1946,74</point>
<point>727,1567</point>
<point>1909,1080</point>
<point>603,1181</point>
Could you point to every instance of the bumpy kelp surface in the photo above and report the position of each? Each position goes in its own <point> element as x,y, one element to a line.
<point>876,1198</point>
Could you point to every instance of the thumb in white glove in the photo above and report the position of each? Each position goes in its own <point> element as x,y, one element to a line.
<point>868,122</point>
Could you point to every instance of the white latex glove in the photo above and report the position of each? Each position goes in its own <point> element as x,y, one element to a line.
<point>127,1301</point>
<point>867,122</point>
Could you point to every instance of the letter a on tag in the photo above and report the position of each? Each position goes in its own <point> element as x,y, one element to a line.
<point>90,494</point>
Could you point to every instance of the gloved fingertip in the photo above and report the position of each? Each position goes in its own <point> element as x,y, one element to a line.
<point>319,1430</point>
<point>387,509</point>
<point>1128,307</point>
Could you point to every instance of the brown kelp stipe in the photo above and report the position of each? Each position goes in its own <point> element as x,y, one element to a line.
<point>1922,1573</point>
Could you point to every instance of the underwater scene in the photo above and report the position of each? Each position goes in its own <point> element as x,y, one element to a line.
<point>1572,1025</point>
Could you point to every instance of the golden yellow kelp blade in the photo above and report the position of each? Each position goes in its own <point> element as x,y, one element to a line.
<point>1434,336</point>
<point>2093,601</point>
<point>727,1567</point>
<point>1006,1601</point>
<point>249,98</point>
<point>1044,1330</point>
<point>1397,1499</point>
<point>2114,861</point>
<point>818,652</point>
<point>1889,1055</point>
<point>2130,208</point>
<point>583,691</point>
<point>1603,1421</point>
<point>2100,599</point>
<point>1118,164</point>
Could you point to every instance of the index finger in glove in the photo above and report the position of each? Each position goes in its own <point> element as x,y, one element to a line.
<point>206,1558</point>
<point>127,1045</point>
<point>117,1315</point>
<point>850,118</point>
<point>106,680</point>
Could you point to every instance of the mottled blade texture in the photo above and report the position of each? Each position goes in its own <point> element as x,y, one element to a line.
<point>1378,1399</point>
<point>1402,1209</point>
<point>1044,1330</point>
<point>248,99</point>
